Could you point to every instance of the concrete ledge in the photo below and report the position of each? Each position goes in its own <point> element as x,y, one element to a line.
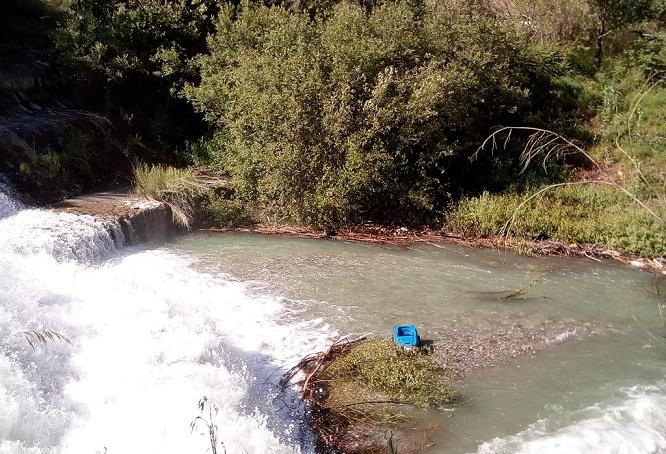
<point>142,220</point>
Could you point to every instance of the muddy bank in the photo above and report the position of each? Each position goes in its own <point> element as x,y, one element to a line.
<point>402,236</point>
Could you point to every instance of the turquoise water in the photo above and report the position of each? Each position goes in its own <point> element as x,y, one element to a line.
<point>600,387</point>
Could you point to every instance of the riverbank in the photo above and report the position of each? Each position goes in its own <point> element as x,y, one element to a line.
<point>403,236</point>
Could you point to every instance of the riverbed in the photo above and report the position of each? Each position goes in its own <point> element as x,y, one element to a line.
<point>151,330</point>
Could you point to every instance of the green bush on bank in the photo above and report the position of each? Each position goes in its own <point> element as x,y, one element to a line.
<point>581,214</point>
<point>228,212</point>
<point>368,116</point>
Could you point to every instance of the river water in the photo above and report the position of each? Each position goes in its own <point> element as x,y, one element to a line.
<point>154,329</point>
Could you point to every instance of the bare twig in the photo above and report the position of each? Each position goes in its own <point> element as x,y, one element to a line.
<point>209,423</point>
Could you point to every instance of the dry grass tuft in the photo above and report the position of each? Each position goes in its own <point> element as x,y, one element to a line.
<point>178,188</point>
<point>43,336</point>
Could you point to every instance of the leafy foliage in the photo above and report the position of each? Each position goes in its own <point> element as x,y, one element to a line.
<point>228,212</point>
<point>364,116</point>
<point>631,128</point>
<point>134,53</point>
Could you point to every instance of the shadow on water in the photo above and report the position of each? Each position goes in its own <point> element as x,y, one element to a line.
<point>282,409</point>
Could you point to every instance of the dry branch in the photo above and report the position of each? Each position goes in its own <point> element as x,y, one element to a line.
<point>546,144</point>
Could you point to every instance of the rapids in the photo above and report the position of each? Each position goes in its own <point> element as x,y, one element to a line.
<point>150,336</point>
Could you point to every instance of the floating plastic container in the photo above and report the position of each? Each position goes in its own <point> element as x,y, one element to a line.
<point>406,336</point>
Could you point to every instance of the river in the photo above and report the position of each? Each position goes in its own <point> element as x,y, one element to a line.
<point>154,329</point>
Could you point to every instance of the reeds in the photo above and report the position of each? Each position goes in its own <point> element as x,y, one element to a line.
<point>43,336</point>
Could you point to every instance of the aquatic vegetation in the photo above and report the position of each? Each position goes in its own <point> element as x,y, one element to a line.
<point>402,376</point>
<point>355,390</point>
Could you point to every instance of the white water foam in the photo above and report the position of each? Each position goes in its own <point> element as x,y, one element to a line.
<point>8,206</point>
<point>636,425</point>
<point>150,336</point>
<point>63,236</point>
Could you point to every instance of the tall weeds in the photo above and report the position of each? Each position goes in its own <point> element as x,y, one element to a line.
<point>178,188</point>
<point>546,145</point>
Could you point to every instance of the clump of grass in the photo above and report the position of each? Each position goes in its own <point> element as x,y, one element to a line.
<point>401,376</point>
<point>582,214</point>
<point>356,389</point>
<point>178,188</point>
<point>397,375</point>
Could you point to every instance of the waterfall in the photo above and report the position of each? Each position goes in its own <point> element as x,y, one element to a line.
<point>147,336</point>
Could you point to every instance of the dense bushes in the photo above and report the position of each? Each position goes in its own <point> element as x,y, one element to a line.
<point>330,112</point>
<point>366,116</point>
<point>129,58</point>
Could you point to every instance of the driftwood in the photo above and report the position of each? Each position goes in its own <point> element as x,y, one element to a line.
<point>331,428</point>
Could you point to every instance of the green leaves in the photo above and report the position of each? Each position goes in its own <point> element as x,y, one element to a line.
<point>618,13</point>
<point>359,116</point>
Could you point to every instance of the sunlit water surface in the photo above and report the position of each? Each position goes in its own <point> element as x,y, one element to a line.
<point>600,393</point>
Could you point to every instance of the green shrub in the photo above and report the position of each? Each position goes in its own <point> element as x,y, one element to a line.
<point>368,116</point>
<point>228,212</point>
<point>128,59</point>
<point>547,21</point>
